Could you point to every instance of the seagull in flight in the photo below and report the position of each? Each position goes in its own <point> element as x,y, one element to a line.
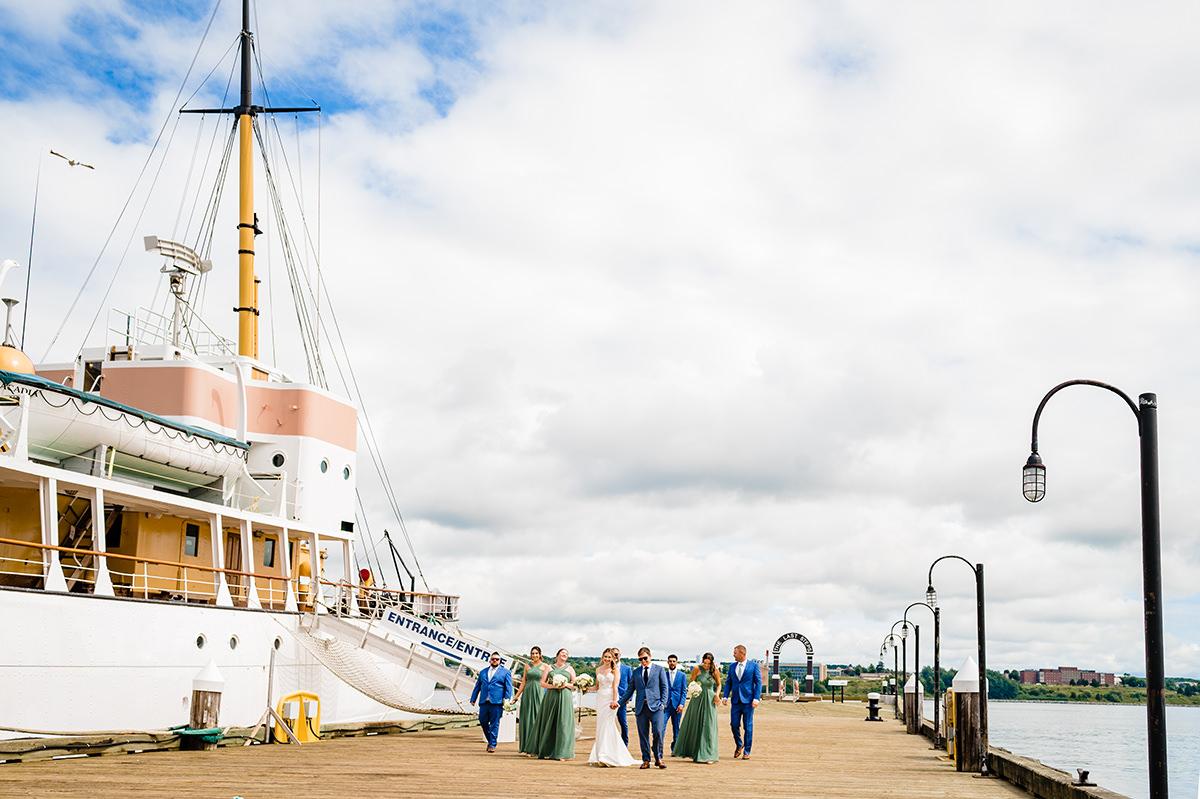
<point>71,161</point>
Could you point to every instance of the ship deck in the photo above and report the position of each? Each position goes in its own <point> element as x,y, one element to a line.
<point>818,750</point>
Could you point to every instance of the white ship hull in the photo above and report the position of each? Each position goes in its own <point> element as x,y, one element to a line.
<point>77,663</point>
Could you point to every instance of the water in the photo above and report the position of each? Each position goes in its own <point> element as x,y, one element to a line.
<point>1107,740</point>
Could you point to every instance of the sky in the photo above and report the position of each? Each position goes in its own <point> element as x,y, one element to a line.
<point>692,324</point>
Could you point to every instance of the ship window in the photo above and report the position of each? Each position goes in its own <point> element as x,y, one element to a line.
<point>324,465</point>
<point>269,552</point>
<point>233,642</point>
<point>200,641</point>
<point>345,472</point>
<point>191,539</point>
<point>277,460</point>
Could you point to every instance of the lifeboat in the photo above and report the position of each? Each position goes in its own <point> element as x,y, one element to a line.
<point>71,427</point>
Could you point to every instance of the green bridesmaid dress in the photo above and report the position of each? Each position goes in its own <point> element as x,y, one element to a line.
<point>555,736</point>
<point>531,704</point>
<point>698,730</point>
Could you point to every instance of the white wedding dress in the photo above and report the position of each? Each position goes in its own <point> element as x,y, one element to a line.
<point>609,749</point>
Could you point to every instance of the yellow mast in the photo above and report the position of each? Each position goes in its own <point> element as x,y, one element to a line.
<point>247,309</point>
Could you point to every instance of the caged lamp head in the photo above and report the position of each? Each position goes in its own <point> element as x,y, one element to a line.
<point>904,631</point>
<point>1033,478</point>
<point>931,596</point>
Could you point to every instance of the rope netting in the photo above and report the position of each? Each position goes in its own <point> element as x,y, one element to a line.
<point>358,669</point>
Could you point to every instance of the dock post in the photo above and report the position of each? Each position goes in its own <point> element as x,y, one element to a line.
<point>914,695</point>
<point>968,731</point>
<point>206,706</point>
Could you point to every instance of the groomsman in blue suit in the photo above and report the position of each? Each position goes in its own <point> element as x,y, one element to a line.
<point>678,686</point>
<point>622,684</point>
<point>493,687</point>
<point>743,682</point>
<point>650,683</point>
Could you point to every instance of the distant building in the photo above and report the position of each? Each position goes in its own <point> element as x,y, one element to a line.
<point>1066,675</point>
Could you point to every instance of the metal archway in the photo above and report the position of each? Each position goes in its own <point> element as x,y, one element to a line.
<point>808,672</point>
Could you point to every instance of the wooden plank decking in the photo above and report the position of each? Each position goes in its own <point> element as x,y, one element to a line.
<point>812,750</point>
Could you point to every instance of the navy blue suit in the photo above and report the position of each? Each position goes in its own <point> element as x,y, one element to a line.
<point>652,691</point>
<point>678,696</point>
<point>743,693</point>
<point>493,687</point>
<point>623,684</point>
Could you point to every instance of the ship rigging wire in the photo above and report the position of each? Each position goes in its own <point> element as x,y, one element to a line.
<point>312,324</point>
<point>121,215</point>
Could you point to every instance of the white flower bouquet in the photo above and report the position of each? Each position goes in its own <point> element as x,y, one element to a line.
<point>559,681</point>
<point>510,706</point>
<point>694,690</point>
<point>584,681</point>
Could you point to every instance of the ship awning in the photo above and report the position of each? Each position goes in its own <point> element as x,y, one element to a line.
<point>41,383</point>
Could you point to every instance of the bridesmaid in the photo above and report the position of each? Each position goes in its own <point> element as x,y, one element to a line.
<point>555,736</point>
<point>530,696</point>
<point>698,732</point>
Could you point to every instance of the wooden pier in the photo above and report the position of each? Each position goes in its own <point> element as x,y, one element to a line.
<point>810,750</point>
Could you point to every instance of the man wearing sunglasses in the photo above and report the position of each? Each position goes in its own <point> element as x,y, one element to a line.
<point>493,687</point>
<point>649,682</point>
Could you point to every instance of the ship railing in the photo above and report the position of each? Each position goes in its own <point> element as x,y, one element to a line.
<point>362,601</point>
<point>139,577</point>
<point>145,327</point>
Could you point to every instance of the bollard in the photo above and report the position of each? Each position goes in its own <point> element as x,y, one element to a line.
<point>914,696</point>
<point>206,706</point>
<point>873,707</point>
<point>968,740</point>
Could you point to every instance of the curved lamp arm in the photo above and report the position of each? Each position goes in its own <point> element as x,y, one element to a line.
<point>1033,439</point>
<point>929,591</point>
<point>913,605</point>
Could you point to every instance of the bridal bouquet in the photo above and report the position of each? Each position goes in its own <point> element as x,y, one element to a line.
<point>510,706</point>
<point>584,681</point>
<point>694,690</point>
<point>559,681</point>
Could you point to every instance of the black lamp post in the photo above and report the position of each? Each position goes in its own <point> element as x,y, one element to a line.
<point>1033,486</point>
<point>937,637</point>
<point>890,641</point>
<point>981,643</point>
<point>903,662</point>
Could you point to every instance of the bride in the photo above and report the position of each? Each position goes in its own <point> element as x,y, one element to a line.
<point>609,749</point>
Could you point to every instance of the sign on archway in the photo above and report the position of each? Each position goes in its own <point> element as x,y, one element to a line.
<point>808,673</point>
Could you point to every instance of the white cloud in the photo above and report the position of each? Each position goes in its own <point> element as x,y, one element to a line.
<point>692,327</point>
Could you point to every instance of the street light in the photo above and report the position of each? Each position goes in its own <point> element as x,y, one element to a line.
<point>903,660</point>
<point>981,644</point>
<point>1033,486</point>
<point>937,661</point>
<point>890,641</point>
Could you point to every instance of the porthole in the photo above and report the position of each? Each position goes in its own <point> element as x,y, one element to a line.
<point>345,472</point>
<point>278,642</point>
<point>277,460</point>
<point>201,641</point>
<point>233,642</point>
<point>324,465</point>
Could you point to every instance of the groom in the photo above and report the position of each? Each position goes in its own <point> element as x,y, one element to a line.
<point>650,684</point>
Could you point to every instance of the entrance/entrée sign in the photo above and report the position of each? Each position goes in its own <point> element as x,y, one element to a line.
<point>461,649</point>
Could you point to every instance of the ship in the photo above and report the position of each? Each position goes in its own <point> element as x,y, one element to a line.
<point>175,507</point>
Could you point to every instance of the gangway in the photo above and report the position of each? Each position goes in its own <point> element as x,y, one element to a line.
<point>348,646</point>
